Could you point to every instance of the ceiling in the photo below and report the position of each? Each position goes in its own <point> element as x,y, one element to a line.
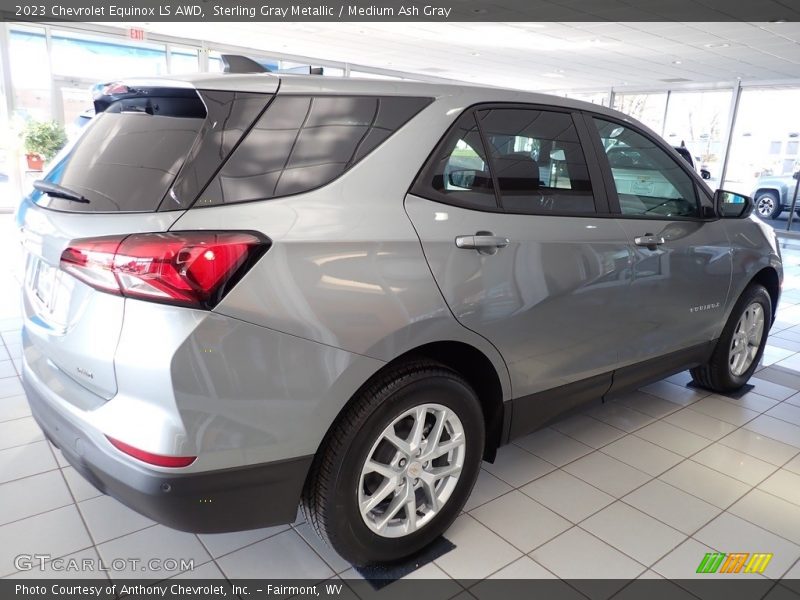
<point>533,56</point>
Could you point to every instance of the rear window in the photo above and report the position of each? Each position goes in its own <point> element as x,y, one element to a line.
<point>128,155</point>
<point>304,142</point>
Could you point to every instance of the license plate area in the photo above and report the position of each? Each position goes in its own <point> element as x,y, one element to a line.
<point>49,291</point>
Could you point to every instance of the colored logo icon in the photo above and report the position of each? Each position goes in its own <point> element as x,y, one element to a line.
<point>735,562</point>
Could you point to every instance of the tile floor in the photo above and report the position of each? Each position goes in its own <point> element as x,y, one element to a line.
<point>639,487</point>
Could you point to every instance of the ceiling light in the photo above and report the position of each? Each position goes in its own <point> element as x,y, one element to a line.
<point>676,62</point>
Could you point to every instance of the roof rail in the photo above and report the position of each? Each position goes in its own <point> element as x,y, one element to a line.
<point>234,63</point>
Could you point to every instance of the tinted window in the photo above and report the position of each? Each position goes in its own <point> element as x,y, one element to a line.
<point>648,181</point>
<point>129,155</point>
<point>303,142</point>
<point>457,172</point>
<point>537,161</point>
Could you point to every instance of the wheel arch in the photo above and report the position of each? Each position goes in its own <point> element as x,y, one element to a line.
<point>766,190</point>
<point>469,362</point>
<point>768,277</point>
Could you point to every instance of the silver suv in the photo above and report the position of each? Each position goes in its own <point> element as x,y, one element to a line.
<point>244,292</point>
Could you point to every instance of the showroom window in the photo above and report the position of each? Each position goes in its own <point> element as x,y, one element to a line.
<point>698,120</point>
<point>458,171</point>
<point>648,181</point>
<point>647,108</point>
<point>304,142</point>
<point>537,161</point>
<point>760,141</point>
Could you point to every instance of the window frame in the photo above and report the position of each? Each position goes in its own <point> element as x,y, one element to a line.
<point>703,197</point>
<point>420,185</point>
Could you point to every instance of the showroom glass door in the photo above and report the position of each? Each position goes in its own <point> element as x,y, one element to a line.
<point>72,102</point>
<point>682,260</point>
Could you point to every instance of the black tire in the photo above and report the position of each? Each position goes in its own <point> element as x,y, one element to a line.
<point>330,500</point>
<point>716,375</point>
<point>768,205</point>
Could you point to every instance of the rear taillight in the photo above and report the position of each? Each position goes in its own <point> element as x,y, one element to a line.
<point>189,268</point>
<point>160,460</point>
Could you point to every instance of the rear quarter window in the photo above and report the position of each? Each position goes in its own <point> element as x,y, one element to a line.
<point>301,143</point>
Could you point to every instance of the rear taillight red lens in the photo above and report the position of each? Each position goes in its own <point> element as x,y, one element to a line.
<point>159,460</point>
<point>194,268</point>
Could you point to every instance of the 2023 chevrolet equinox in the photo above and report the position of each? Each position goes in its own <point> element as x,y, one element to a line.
<point>246,292</point>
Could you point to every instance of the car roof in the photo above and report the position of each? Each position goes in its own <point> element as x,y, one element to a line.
<point>317,84</point>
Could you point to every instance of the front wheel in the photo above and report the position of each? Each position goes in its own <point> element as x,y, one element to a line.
<point>398,465</point>
<point>741,344</point>
<point>768,205</point>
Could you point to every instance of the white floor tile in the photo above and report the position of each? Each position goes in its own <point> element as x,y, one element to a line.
<point>706,484</point>
<point>289,558</point>
<point>478,551</point>
<point>620,416</point>
<point>725,410</point>
<point>57,533</point>
<point>771,513</point>
<point>588,431</point>
<point>783,484</point>
<point>567,495</point>
<point>516,466</point>
<point>23,461</point>
<point>642,455</point>
<point>220,544</point>
<point>487,487</point>
<point>700,424</point>
<point>758,445</point>
<point>538,526</point>
<point>107,518</point>
<point>633,532</point>
<point>32,495</point>
<point>735,464</point>
<point>673,506</point>
<point>648,404</point>
<point>672,438</point>
<point>607,474</point>
<point>553,446</point>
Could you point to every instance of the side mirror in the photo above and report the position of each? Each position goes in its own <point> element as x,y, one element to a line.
<point>731,205</point>
<point>796,175</point>
<point>461,178</point>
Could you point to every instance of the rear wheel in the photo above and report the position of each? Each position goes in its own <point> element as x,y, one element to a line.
<point>741,344</point>
<point>398,465</point>
<point>768,205</point>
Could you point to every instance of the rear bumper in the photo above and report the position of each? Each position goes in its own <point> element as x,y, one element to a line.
<point>208,502</point>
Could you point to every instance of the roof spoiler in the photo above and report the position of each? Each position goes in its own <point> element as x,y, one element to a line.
<point>234,63</point>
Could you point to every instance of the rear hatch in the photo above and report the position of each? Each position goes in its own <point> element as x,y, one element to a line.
<point>136,168</point>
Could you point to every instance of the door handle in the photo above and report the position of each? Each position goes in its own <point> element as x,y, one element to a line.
<point>649,241</point>
<point>483,242</point>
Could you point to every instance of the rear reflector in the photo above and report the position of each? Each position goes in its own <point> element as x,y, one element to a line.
<point>150,458</point>
<point>190,268</point>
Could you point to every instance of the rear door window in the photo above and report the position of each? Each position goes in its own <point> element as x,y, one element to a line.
<point>458,171</point>
<point>538,161</point>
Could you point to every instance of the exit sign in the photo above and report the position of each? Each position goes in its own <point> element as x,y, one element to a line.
<point>135,33</point>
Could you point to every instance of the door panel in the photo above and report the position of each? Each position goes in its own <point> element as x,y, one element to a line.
<point>679,290</point>
<point>553,301</point>
<point>681,269</point>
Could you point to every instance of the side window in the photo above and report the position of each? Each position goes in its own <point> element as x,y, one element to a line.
<point>458,172</point>
<point>648,181</point>
<point>537,160</point>
<point>304,142</point>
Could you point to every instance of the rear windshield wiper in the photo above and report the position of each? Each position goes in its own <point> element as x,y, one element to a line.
<point>53,189</point>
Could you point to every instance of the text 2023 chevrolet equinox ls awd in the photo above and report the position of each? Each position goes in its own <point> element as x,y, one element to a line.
<point>249,291</point>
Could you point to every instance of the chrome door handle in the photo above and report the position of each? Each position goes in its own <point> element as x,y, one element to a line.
<point>649,241</point>
<point>482,242</point>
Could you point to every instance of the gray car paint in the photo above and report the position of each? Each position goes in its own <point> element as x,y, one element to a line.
<point>357,275</point>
